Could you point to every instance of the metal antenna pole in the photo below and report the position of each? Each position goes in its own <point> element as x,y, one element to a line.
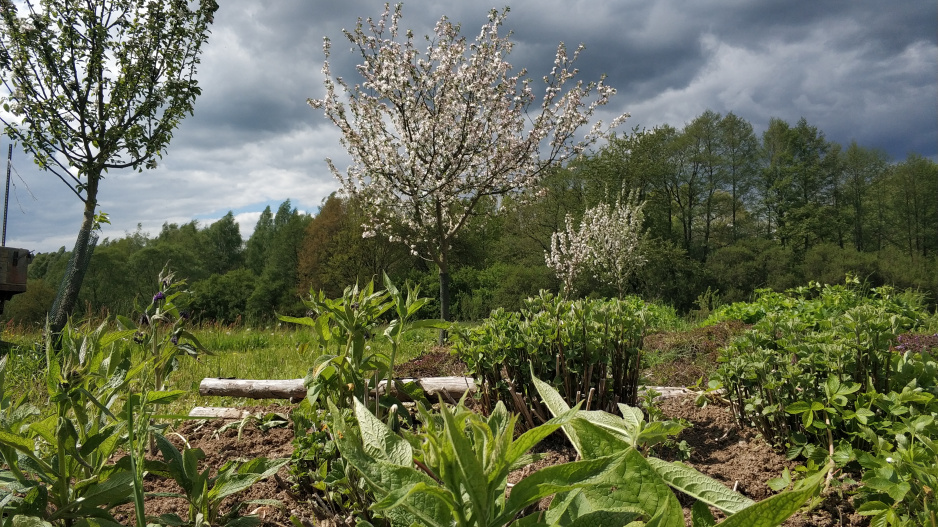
<point>6,195</point>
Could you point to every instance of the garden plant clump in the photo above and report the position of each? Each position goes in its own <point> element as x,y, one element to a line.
<point>74,460</point>
<point>589,350</point>
<point>839,377</point>
<point>358,457</point>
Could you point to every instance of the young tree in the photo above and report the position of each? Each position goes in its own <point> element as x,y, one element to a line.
<point>432,133</point>
<point>95,86</point>
<point>607,243</point>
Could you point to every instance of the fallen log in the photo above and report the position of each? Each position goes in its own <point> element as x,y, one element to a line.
<point>451,388</point>
<point>219,412</point>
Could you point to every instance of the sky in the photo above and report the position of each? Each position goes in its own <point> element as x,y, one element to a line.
<point>860,70</point>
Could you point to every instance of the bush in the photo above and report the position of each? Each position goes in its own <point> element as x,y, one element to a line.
<point>827,372</point>
<point>589,349</point>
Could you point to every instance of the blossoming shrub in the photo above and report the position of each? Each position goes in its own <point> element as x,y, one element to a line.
<point>607,243</point>
<point>586,349</point>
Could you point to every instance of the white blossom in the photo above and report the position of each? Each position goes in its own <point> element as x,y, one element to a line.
<point>432,132</point>
<point>606,243</point>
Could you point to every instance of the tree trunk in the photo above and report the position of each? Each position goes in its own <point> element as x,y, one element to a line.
<point>74,274</point>
<point>444,301</point>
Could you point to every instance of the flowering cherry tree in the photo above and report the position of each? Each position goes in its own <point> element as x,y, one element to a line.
<point>432,132</point>
<point>607,243</point>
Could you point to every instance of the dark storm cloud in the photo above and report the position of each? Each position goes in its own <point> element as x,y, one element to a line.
<point>863,70</point>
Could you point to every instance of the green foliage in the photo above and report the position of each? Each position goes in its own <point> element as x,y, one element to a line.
<point>317,469</point>
<point>454,471</point>
<point>335,253</point>
<point>204,491</point>
<point>32,306</point>
<point>58,467</point>
<point>278,287</point>
<point>589,349</point>
<point>162,329</point>
<point>821,372</point>
<point>223,298</point>
<point>347,367</point>
<point>641,484</point>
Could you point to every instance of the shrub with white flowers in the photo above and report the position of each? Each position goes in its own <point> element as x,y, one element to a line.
<point>606,243</point>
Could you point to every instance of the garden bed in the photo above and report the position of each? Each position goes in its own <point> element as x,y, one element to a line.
<point>737,457</point>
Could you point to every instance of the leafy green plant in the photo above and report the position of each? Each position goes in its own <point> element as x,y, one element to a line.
<point>342,326</point>
<point>825,373</point>
<point>205,492</point>
<point>642,483</point>
<point>58,468</point>
<point>162,329</point>
<point>589,350</point>
<point>263,420</point>
<point>348,367</point>
<point>454,470</point>
<point>318,471</point>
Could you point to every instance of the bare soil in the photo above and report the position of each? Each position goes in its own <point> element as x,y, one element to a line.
<point>736,456</point>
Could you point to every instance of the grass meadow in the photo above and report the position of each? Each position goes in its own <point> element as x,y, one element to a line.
<point>277,351</point>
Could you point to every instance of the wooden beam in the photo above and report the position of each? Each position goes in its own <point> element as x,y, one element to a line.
<point>451,388</point>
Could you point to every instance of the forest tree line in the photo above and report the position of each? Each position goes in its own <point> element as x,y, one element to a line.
<point>726,212</point>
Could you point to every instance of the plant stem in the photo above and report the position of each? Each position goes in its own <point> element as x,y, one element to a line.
<point>138,476</point>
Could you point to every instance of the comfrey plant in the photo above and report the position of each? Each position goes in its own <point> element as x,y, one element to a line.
<point>454,471</point>
<point>347,367</point>
<point>162,328</point>
<point>205,491</point>
<point>58,469</point>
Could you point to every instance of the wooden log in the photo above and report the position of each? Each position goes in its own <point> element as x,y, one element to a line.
<point>220,412</point>
<point>451,388</point>
<point>254,388</point>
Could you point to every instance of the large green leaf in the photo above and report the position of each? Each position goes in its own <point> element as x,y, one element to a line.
<point>557,406</point>
<point>535,435</point>
<point>772,511</point>
<point>384,477</point>
<point>164,397</point>
<point>113,490</point>
<point>379,441</point>
<point>471,475</point>
<point>698,486</point>
<point>559,478</point>
<point>246,475</point>
<point>114,336</point>
<point>629,483</point>
<point>404,497</point>
<point>16,441</point>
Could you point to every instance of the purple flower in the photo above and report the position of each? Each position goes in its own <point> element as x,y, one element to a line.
<point>174,339</point>
<point>158,296</point>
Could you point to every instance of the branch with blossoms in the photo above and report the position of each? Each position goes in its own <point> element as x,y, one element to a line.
<point>432,132</point>
<point>606,243</point>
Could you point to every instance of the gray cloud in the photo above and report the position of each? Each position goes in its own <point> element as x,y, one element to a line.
<point>858,70</point>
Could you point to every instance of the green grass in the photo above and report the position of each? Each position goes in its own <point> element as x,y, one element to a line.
<point>278,351</point>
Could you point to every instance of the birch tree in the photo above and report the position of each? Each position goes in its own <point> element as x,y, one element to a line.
<point>96,86</point>
<point>433,131</point>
